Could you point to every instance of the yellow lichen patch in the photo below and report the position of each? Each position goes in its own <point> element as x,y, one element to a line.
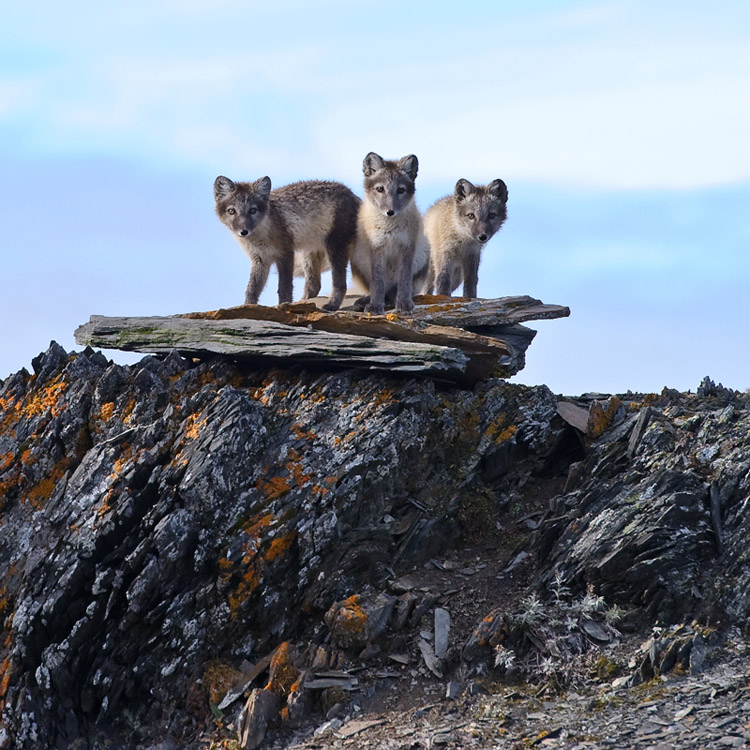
<point>350,617</point>
<point>218,679</point>
<point>105,506</point>
<point>294,467</point>
<point>302,434</point>
<point>46,399</point>
<point>279,546</point>
<point>274,487</point>
<point>127,412</point>
<point>6,485</point>
<point>107,411</point>
<point>499,433</point>
<point>193,426</point>
<point>256,524</point>
<point>249,582</point>
<point>43,489</point>
<point>4,678</point>
<point>601,414</point>
<point>282,673</point>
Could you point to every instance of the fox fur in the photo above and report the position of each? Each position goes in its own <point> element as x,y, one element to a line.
<point>390,257</point>
<point>457,228</point>
<point>303,228</point>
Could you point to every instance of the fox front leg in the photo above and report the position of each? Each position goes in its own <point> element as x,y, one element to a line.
<point>404,296</point>
<point>376,305</point>
<point>443,280</point>
<point>338,271</point>
<point>258,277</point>
<point>285,268</point>
<point>471,275</point>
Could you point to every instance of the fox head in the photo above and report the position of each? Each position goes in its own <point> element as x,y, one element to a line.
<point>479,209</point>
<point>389,185</point>
<point>241,206</point>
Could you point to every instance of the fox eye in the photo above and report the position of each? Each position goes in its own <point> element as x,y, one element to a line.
<point>470,216</point>
<point>491,216</point>
<point>380,189</point>
<point>253,210</point>
<point>231,211</point>
<point>401,190</point>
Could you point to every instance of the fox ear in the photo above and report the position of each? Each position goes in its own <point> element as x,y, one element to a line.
<point>410,165</point>
<point>463,190</point>
<point>223,187</point>
<point>372,164</point>
<point>263,186</point>
<point>499,189</point>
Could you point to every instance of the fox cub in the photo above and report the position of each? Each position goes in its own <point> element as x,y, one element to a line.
<point>457,228</point>
<point>391,254</point>
<point>317,219</point>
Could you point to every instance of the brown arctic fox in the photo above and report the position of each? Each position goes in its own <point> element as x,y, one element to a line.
<point>391,253</point>
<point>457,228</point>
<point>317,219</point>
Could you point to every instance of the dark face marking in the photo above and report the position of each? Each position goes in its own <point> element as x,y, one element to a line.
<point>389,185</point>
<point>241,206</point>
<point>481,211</point>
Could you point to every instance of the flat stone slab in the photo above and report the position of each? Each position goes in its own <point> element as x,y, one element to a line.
<point>447,339</point>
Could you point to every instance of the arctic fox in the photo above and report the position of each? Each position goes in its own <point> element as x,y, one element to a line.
<point>457,228</point>
<point>391,253</point>
<point>317,219</point>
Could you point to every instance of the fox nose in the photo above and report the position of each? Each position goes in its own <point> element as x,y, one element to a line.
<point>243,233</point>
<point>390,212</point>
<point>483,237</point>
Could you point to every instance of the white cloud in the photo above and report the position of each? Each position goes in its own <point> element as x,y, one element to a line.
<point>588,96</point>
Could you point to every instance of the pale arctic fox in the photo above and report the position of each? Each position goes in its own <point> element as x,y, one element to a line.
<point>457,228</point>
<point>318,219</point>
<point>390,257</point>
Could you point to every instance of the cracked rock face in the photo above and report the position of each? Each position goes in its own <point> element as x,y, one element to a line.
<point>158,516</point>
<point>171,520</point>
<point>658,517</point>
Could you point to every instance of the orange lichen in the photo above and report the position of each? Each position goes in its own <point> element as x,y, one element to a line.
<point>43,489</point>
<point>274,487</point>
<point>121,461</point>
<point>127,413</point>
<point>350,617</point>
<point>46,399</point>
<point>107,411</point>
<point>499,433</point>
<point>6,460</point>
<point>193,426</point>
<point>26,457</point>
<point>279,546</point>
<point>601,414</point>
<point>249,582</point>
<point>282,674</point>
<point>294,467</point>
<point>4,677</point>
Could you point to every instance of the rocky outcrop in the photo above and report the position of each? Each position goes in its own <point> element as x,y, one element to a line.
<point>188,546</point>
<point>159,517</point>
<point>653,520</point>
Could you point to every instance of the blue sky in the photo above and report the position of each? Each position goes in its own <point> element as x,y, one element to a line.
<point>619,127</point>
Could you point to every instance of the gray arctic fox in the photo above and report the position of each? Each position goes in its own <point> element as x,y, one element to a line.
<point>318,219</point>
<point>390,257</point>
<point>457,228</point>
